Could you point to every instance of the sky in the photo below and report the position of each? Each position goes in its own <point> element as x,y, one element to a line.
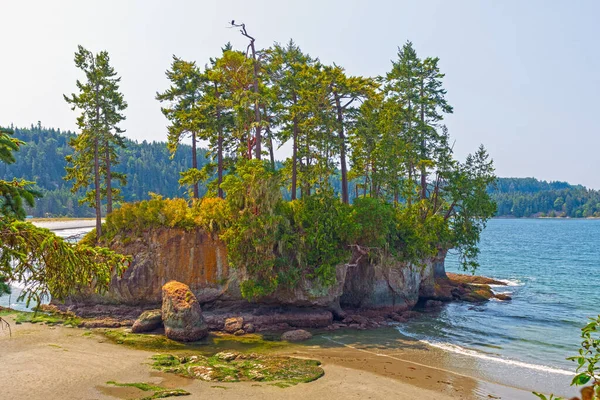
<point>522,76</point>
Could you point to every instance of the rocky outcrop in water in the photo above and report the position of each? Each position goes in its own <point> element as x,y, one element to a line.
<point>199,260</point>
<point>181,313</point>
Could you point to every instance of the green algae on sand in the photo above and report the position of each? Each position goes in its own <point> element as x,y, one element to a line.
<point>159,391</point>
<point>215,342</point>
<point>281,371</point>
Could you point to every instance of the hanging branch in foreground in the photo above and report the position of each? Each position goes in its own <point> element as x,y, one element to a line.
<point>48,266</point>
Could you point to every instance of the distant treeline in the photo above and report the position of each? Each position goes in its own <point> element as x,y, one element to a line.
<point>147,165</point>
<point>529,197</point>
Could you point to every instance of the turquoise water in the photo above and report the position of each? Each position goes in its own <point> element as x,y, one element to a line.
<point>553,268</point>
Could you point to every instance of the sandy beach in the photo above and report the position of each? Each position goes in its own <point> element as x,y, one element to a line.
<point>43,362</point>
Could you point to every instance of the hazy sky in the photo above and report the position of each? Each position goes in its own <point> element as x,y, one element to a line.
<point>523,76</point>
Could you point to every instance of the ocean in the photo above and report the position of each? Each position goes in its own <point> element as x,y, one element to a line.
<point>552,268</point>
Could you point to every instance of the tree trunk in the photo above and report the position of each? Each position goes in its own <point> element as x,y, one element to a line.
<point>97,171</point>
<point>294,151</point>
<point>423,150</point>
<point>219,146</point>
<point>340,119</point>
<point>270,135</point>
<point>258,149</point>
<point>194,162</point>
<point>108,179</point>
<point>97,190</point>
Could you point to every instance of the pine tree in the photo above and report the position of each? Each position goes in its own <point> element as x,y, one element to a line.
<point>285,67</point>
<point>182,109</point>
<point>85,162</point>
<point>113,105</point>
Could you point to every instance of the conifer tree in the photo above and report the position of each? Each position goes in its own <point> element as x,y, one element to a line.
<point>182,111</point>
<point>285,68</point>
<point>112,107</point>
<point>85,169</point>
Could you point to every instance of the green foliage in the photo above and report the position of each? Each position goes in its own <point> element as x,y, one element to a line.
<point>47,266</point>
<point>252,194</point>
<point>323,229</point>
<point>100,105</point>
<point>13,194</point>
<point>4,287</point>
<point>135,218</point>
<point>375,221</point>
<point>42,262</point>
<point>587,361</point>
<point>589,356</point>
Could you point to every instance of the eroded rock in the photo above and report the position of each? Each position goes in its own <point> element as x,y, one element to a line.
<point>181,313</point>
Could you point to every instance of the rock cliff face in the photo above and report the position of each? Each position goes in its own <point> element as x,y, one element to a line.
<point>200,261</point>
<point>384,284</point>
<point>162,255</point>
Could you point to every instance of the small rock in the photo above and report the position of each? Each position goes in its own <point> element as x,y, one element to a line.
<point>147,322</point>
<point>249,328</point>
<point>227,355</point>
<point>398,318</point>
<point>503,297</point>
<point>410,314</point>
<point>239,332</point>
<point>354,326</point>
<point>433,304</point>
<point>297,335</point>
<point>201,372</point>
<point>233,324</point>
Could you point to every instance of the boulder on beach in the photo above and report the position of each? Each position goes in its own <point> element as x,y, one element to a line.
<point>297,335</point>
<point>147,321</point>
<point>234,324</point>
<point>181,313</point>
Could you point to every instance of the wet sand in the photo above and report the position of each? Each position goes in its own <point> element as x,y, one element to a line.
<point>42,362</point>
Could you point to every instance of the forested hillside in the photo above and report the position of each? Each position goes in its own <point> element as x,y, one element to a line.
<point>529,197</point>
<point>147,166</point>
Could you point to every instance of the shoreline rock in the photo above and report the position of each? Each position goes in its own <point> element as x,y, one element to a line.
<point>181,313</point>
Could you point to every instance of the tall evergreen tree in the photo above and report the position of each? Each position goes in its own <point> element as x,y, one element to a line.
<point>112,107</point>
<point>99,103</point>
<point>182,109</point>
